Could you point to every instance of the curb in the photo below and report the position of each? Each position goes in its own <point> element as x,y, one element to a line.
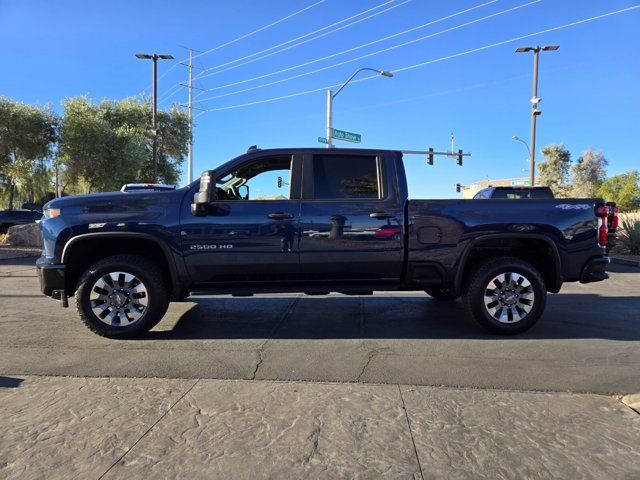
<point>18,252</point>
<point>632,401</point>
<point>625,261</point>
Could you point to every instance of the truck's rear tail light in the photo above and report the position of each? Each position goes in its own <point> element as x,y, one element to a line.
<point>615,219</point>
<point>602,212</point>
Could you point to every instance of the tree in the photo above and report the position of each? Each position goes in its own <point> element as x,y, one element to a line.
<point>27,135</point>
<point>554,170</point>
<point>622,189</point>
<point>108,144</point>
<point>588,174</point>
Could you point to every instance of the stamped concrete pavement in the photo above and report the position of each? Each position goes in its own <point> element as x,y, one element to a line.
<point>61,427</point>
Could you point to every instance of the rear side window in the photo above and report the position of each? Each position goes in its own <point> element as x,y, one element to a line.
<point>344,176</point>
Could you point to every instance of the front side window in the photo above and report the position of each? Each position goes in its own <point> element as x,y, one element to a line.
<point>344,176</point>
<point>263,179</point>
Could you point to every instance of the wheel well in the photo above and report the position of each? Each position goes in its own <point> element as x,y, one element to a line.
<point>539,253</point>
<point>80,255</point>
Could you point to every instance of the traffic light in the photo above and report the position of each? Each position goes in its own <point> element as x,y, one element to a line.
<point>279,182</point>
<point>430,156</point>
<point>459,159</point>
<point>458,187</point>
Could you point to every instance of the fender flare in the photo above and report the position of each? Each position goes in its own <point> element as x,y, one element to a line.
<point>173,271</point>
<point>532,236</point>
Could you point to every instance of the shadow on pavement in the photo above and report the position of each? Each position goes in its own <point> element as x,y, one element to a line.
<point>568,316</point>
<point>10,382</point>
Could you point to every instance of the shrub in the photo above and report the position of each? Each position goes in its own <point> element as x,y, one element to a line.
<point>629,236</point>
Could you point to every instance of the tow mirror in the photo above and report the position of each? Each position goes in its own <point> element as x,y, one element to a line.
<point>205,194</point>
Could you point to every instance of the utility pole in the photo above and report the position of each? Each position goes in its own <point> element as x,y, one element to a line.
<point>190,109</point>
<point>190,154</point>
<point>154,119</point>
<point>535,100</point>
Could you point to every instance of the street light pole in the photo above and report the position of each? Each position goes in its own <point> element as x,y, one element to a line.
<point>329,118</point>
<point>154,118</point>
<point>535,100</point>
<point>331,96</point>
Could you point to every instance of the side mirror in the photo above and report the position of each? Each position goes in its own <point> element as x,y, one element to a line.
<point>205,195</point>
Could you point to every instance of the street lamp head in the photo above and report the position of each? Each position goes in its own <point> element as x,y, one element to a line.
<point>384,73</point>
<point>165,56</point>
<point>143,55</point>
<point>524,49</point>
<point>550,47</point>
<point>515,137</point>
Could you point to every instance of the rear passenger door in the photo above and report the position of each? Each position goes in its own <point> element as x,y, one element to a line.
<point>351,219</point>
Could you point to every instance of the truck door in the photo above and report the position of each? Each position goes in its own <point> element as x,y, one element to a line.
<point>249,231</point>
<point>351,218</point>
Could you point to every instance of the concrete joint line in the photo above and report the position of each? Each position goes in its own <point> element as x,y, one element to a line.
<point>149,429</point>
<point>285,315</point>
<point>406,415</point>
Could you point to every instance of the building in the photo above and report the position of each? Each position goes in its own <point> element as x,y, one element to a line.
<point>468,191</point>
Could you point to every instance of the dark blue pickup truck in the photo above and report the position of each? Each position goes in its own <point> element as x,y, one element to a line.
<point>314,221</point>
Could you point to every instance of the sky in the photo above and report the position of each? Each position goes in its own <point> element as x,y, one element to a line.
<point>589,87</point>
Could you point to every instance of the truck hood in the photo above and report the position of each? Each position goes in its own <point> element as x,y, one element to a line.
<point>119,206</point>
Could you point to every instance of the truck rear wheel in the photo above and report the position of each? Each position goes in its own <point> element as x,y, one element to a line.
<point>122,296</point>
<point>505,295</point>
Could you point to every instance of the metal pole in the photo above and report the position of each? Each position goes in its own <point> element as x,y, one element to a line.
<point>329,118</point>
<point>154,119</point>
<point>532,152</point>
<point>190,156</point>
<point>58,189</point>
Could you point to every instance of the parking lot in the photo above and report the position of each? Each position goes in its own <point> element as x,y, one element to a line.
<point>587,341</point>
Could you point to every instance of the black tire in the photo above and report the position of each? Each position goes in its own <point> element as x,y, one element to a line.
<point>156,295</point>
<point>512,296</point>
<point>442,293</point>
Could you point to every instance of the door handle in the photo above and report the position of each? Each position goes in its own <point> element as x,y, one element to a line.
<point>381,215</point>
<point>280,216</point>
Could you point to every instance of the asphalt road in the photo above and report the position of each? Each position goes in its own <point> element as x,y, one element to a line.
<point>587,341</point>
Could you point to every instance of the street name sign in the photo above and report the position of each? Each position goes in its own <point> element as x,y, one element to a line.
<point>322,140</point>
<point>346,136</point>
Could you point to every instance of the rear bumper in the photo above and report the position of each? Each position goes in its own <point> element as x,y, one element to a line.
<point>51,276</point>
<point>595,270</point>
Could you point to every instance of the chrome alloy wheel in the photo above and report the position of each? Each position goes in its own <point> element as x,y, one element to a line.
<point>118,299</point>
<point>509,297</point>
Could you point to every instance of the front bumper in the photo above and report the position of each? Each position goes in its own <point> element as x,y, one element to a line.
<point>51,276</point>
<point>595,270</point>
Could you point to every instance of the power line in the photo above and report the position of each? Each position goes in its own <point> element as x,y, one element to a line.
<point>432,22</point>
<point>462,25</point>
<point>176,87</point>
<point>448,57</point>
<point>242,37</point>
<point>304,36</point>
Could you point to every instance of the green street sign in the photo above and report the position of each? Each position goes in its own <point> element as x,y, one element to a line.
<point>346,136</point>
<point>322,140</point>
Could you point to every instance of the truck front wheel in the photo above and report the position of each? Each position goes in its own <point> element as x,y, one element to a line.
<point>505,295</point>
<point>122,296</point>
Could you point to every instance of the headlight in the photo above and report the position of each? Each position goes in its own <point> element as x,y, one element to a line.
<point>52,212</point>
